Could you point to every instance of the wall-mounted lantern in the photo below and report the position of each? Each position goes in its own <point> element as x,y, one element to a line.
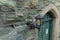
<point>32,25</point>
<point>38,19</point>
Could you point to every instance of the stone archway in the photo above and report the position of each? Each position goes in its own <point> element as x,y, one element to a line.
<point>55,14</point>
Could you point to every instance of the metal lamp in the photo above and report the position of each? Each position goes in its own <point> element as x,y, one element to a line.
<point>32,24</point>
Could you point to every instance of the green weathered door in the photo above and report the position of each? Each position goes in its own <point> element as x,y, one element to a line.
<point>45,31</point>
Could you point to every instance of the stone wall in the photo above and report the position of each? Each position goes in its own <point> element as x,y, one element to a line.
<point>23,10</point>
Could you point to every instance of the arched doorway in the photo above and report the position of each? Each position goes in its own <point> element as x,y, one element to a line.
<point>45,32</point>
<point>54,12</point>
<point>54,24</point>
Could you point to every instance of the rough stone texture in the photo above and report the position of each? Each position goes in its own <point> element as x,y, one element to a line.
<point>18,34</point>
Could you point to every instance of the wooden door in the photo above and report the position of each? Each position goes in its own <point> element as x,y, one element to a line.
<point>45,32</point>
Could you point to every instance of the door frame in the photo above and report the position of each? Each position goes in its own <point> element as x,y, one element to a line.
<point>55,14</point>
